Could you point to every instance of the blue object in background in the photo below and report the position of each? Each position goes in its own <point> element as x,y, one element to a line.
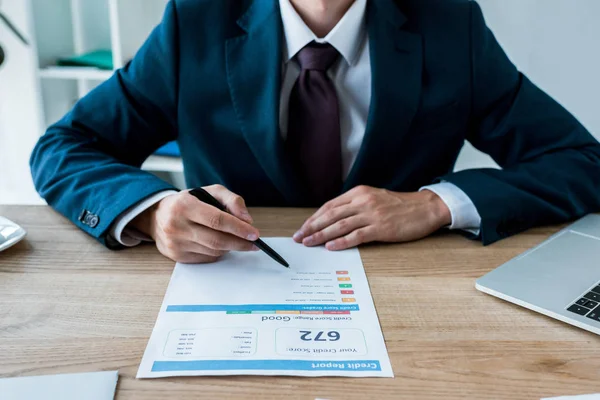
<point>170,149</point>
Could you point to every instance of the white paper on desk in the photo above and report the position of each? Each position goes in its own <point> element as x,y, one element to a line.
<point>89,386</point>
<point>582,397</point>
<point>247,315</point>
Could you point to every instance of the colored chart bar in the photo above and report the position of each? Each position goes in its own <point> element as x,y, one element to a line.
<point>345,285</point>
<point>264,312</point>
<point>239,312</point>
<point>312,312</point>
<point>349,300</point>
<point>336,312</point>
<point>341,272</point>
<point>286,312</point>
<point>347,291</point>
<point>342,279</point>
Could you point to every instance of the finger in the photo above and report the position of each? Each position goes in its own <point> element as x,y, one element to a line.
<point>353,239</point>
<point>234,203</point>
<point>180,252</point>
<point>193,247</point>
<point>335,231</point>
<point>344,199</point>
<point>217,220</point>
<point>194,258</point>
<point>219,241</point>
<point>328,218</point>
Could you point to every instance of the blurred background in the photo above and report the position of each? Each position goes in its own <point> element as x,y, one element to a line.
<point>55,51</point>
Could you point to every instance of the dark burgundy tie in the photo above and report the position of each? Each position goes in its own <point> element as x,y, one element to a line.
<point>314,123</point>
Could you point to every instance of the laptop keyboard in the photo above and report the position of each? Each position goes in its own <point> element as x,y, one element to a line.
<point>588,305</point>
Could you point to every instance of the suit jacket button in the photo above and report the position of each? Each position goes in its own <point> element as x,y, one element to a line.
<point>92,220</point>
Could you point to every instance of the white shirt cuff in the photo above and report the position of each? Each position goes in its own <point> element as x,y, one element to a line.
<point>464,213</point>
<point>131,237</point>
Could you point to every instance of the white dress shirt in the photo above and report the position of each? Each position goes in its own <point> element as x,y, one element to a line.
<point>351,76</point>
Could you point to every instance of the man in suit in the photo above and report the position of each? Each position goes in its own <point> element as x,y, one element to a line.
<point>357,106</point>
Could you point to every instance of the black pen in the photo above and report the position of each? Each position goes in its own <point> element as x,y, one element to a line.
<point>207,198</point>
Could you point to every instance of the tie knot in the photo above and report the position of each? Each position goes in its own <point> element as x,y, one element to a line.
<point>316,56</point>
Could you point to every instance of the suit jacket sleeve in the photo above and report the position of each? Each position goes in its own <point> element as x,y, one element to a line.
<point>550,163</point>
<point>90,160</point>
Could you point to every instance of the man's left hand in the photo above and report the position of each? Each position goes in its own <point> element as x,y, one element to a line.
<point>366,214</point>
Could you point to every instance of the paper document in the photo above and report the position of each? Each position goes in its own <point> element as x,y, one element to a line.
<point>248,315</point>
<point>89,386</point>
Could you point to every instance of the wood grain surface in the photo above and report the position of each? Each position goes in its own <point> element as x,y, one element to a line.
<point>67,304</point>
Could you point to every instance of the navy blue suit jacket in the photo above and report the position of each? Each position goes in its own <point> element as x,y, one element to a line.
<point>209,77</point>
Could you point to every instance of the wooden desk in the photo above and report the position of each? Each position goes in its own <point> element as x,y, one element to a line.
<point>67,305</point>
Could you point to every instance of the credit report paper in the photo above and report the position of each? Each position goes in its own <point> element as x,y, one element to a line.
<point>248,315</point>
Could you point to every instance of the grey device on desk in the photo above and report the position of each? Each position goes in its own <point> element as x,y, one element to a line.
<point>559,278</point>
<point>10,233</point>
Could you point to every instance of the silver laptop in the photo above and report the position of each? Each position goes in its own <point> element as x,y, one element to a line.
<point>559,278</point>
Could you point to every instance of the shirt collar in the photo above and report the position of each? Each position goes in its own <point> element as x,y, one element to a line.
<point>345,37</point>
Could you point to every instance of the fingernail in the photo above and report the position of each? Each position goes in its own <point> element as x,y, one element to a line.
<point>252,237</point>
<point>330,246</point>
<point>309,241</point>
<point>298,235</point>
<point>254,248</point>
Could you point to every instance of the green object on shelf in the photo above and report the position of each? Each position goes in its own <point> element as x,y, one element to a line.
<point>100,59</point>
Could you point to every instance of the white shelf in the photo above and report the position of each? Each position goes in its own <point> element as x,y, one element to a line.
<point>165,164</point>
<point>65,28</point>
<point>75,73</point>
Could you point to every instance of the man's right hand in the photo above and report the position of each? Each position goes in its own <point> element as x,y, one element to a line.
<point>189,231</point>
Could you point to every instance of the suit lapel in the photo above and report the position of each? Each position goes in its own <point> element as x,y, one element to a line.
<point>254,75</point>
<point>396,64</point>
